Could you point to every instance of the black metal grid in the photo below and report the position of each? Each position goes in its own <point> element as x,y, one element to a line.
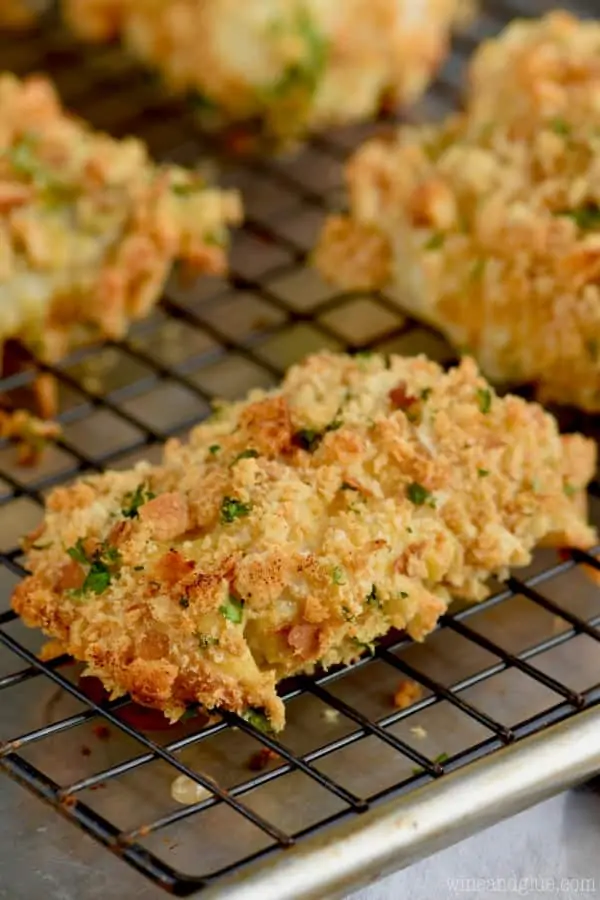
<point>121,400</point>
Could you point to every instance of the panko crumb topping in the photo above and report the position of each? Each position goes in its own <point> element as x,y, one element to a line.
<point>90,226</point>
<point>292,65</point>
<point>295,527</point>
<point>488,224</point>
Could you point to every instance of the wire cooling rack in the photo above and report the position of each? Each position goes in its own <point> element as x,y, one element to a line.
<point>491,676</point>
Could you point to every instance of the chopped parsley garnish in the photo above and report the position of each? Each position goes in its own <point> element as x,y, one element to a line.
<point>232,509</point>
<point>419,495</point>
<point>101,565</point>
<point>483,473</point>
<point>185,190</point>
<point>134,499</point>
<point>184,602</point>
<point>477,269</point>
<point>372,598</point>
<point>232,609</point>
<point>23,158</point>
<point>484,399</point>
<point>403,595</point>
<point>586,217</point>
<point>337,575</point>
<point>440,758</point>
<point>436,241</point>
<point>246,454</point>
<point>308,439</point>
<point>214,449</point>
<point>78,552</point>
<point>561,127</point>
<point>362,646</point>
<point>569,489</point>
<point>305,74</point>
<point>207,640</point>
<point>426,393</point>
<point>258,719</point>
<point>363,354</point>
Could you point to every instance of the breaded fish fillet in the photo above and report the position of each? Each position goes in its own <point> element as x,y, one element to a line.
<point>89,226</point>
<point>297,526</point>
<point>293,65</point>
<point>488,225</point>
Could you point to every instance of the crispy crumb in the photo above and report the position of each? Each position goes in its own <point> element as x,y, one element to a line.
<point>408,693</point>
<point>29,433</point>
<point>330,715</point>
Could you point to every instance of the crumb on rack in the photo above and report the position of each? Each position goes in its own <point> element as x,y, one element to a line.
<point>330,715</point>
<point>408,693</point>
<point>102,732</point>
<point>28,432</point>
<point>262,759</point>
<point>186,791</point>
<point>419,732</point>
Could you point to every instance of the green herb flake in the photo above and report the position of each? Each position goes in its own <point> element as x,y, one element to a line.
<point>561,127</point>
<point>232,609</point>
<point>189,188</point>
<point>477,269</point>
<point>484,399</point>
<point>419,495</point>
<point>440,758</point>
<point>304,75</point>
<point>426,393</point>
<point>207,640</point>
<point>483,473</point>
<point>258,719</point>
<point>97,579</point>
<point>569,489</point>
<point>337,575</point>
<point>78,552</point>
<point>134,499</point>
<point>403,595</point>
<point>372,597</point>
<point>308,439</point>
<point>214,449</point>
<point>586,217</point>
<point>364,354</point>
<point>232,509</point>
<point>362,646</point>
<point>436,241</point>
<point>246,454</point>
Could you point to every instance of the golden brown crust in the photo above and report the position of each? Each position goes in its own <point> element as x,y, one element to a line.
<point>377,490</point>
<point>89,226</point>
<point>492,218</point>
<point>295,65</point>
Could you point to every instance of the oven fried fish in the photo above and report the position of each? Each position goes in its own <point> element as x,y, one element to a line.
<point>487,225</point>
<point>297,526</point>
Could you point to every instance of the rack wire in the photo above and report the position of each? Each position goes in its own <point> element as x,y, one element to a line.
<point>491,675</point>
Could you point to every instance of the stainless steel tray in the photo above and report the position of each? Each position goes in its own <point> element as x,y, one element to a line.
<point>508,709</point>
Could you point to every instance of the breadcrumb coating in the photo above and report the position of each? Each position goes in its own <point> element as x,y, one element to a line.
<point>292,65</point>
<point>89,226</point>
<point>297,526</point>
<point>488,224</point>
